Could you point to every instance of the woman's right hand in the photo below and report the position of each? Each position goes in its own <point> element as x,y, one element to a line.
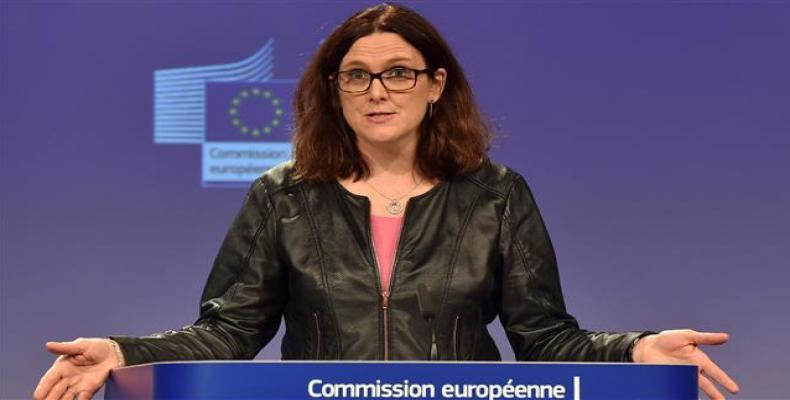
<point>81,368</point>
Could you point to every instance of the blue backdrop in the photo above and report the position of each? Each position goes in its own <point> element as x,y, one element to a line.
<point>655,135</point>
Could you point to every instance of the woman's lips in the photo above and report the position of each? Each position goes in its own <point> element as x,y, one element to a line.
<point>379,118</point>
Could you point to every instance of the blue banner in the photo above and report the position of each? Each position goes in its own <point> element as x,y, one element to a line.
<point>403,380</point>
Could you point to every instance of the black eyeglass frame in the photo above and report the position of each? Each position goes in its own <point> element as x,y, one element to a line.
<point>378,75</point>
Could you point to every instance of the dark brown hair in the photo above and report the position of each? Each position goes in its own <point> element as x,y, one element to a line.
<point>454,140</point>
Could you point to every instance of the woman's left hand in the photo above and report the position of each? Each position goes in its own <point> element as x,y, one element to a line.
<point>681,347</point>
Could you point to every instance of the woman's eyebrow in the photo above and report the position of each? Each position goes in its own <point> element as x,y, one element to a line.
<point>359,63</point>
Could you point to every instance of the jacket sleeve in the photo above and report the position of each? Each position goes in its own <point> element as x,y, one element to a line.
<point>242,301</point>
<point>531,306</point>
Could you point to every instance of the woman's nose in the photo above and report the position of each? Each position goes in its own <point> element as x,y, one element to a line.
<point>377,90</point>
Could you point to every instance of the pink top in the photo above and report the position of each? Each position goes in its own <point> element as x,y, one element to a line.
<point>385,231</point>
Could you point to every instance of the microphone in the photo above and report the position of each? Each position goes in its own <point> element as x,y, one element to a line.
<point>425,302</point>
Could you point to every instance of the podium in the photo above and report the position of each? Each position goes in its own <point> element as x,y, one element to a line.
<point>401,380</point>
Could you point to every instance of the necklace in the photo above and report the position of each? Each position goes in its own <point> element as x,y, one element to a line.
<point>394,206</point>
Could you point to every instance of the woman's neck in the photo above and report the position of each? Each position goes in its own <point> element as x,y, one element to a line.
<point>393,175</point>
<point>389,161</point>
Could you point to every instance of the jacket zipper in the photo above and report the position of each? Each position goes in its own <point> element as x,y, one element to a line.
<point>455,335</point>
<point>385,301</point>
<point>317,351</point>
<point>385,294</point>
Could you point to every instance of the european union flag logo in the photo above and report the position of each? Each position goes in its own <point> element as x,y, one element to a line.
<point>247,129</point>
<point>237,112</point>
<point>248,111</point>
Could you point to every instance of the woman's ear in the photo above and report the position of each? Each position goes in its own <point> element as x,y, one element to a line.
<point>437,85</point>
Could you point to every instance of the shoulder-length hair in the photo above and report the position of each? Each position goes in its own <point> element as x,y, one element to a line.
<point>453,141</point>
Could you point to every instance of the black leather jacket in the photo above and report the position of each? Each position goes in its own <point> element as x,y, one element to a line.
<point>303,252</point>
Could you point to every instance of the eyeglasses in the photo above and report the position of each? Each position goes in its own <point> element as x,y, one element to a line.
<point>397,79</point>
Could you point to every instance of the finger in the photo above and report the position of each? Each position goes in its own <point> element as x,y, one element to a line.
<point>58,390</point>
<point>712,370</point>
<point>75,387</point>
<point>707,387</point>
<point>46,383</point>
<point>70,394</point>
<point>709,337</point>
<point>87,388</point>
<point>65,348</point>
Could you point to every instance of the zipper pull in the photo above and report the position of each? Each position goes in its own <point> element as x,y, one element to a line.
<point>385,300</point>
<point>385,303</point>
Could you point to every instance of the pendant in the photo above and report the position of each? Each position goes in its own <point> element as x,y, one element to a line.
<point>394,207</point>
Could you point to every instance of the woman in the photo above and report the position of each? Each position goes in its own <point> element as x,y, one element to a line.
<point>389,206</point>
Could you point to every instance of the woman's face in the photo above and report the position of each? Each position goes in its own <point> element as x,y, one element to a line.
<point>378,116</point>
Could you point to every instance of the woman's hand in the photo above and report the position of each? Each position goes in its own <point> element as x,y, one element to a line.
<point>81,368</point>
<point>681,347</point>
